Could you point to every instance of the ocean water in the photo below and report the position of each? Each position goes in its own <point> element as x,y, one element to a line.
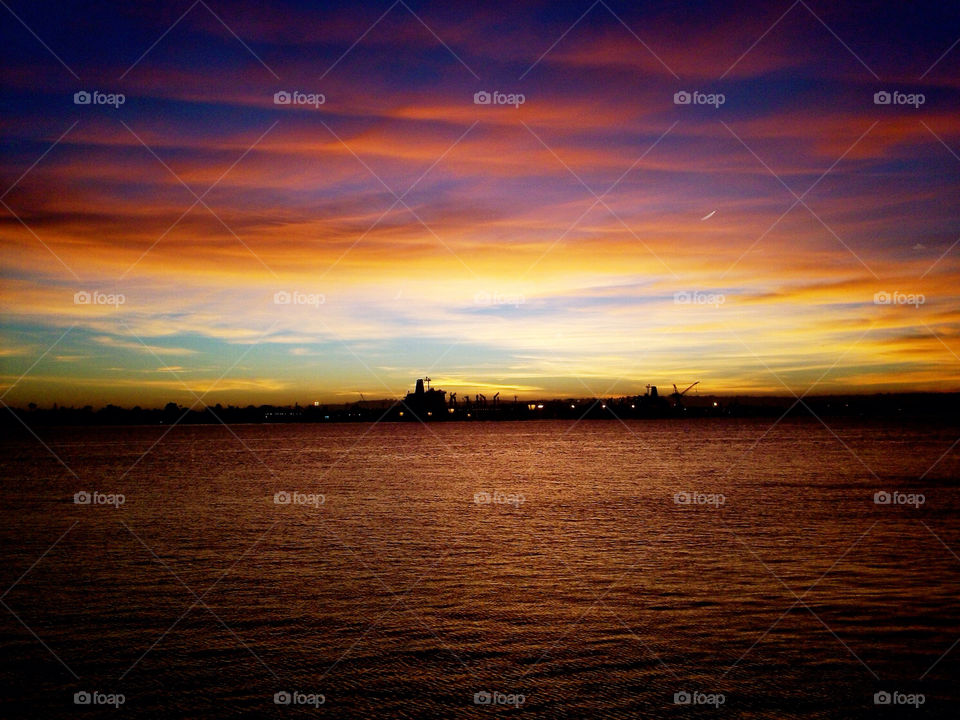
<point>553,569</point>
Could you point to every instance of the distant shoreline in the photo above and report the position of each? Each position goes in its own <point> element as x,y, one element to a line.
<point>888,406</point>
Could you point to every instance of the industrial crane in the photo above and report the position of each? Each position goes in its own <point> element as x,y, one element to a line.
<point>678,394</point>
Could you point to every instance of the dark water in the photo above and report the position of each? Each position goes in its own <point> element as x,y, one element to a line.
<point>582,586</point>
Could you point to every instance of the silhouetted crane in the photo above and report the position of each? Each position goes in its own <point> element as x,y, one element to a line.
<point>678,395</point>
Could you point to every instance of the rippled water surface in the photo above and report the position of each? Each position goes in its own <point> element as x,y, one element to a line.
<point>583,585</point>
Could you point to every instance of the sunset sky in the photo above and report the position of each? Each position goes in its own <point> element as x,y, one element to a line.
<point>593,239</point>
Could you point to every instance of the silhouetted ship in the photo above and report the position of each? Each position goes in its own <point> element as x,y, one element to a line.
<point>425,404</point>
